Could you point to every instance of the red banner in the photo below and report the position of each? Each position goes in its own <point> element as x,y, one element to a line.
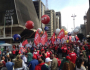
<point>61,34</point>
<point>77,38</point>
<point>44,38</point>
<point>53,38</point>
<point>24,43</point>
<point>70,37</point>
<point>37,38</point>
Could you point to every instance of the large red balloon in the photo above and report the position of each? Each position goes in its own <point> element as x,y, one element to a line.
<point>45,19</point>
<point>29,24</point>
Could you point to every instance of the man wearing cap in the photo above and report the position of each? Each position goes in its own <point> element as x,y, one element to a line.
<point>47,64</point>
<point>68,65</point>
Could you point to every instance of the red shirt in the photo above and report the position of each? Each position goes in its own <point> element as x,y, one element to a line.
<point>59,62</point>
<point>56,48</point>
<point>48,54</point>
<point>68,51</point>
<point>13,52</point>
<point>73,57</point>
<point>4,63</point>
<point>83,48</point>
<point>35,54</point>
<point>39,56</point>
<point>38,67</point>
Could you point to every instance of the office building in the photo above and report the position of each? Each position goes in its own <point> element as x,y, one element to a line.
<point>59,15</point>
<point>83,31</point>
<point>57,22</point>
<point>51,13</point>
<point>21,11</point>
<point>40,10</point>
<point>54,20</point>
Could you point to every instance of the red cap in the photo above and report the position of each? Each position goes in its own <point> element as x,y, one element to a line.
<point>42,50</point>
<point>67,57</point>
<point>34,57</point>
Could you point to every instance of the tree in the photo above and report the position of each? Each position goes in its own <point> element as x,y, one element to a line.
<point>63,27</point>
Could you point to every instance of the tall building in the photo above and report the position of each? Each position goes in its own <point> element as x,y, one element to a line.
<point>21,11</point>
<point>88,23</point>
<point>51,26</point>
<point>54,20</point>
<point>83,31</point>
<point>59,15</point>
<point>40,10</point>
<point>57,22</point>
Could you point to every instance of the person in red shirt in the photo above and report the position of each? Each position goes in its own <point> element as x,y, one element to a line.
<point>14,52</point>
<point>73,56</point>
<point>3,61</point>
<point>48,54</point>
<point>40,55</point>
<point>41,62</point>
<point>35,53</point>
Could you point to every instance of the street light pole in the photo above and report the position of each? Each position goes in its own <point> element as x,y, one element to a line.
<point>73,20</point>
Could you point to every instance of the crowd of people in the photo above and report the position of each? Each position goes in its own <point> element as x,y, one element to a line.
<point>67,56</point>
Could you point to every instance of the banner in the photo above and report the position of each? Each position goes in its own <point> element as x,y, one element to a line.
<point>37,38</point>
<point>53,38</point>
<point>61,34</point>
<point>24,43</point>
<point>44,38</point>
<point>77,38</point>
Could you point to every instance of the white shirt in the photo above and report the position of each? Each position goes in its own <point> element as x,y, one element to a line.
<point>82,68</point>
<point>24,59</point>
<point>78,49</point>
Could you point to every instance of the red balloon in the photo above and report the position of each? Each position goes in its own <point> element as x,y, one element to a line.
<point>45,19</point>
<point>29,24</point>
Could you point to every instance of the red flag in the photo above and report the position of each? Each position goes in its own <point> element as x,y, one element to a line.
<point>37,38</point>
<point>24,43</point>
<point>61,34</point>
<point>77,38</point>
<point>70,38</point>
<point>44,38</point>
<point>53,38</point>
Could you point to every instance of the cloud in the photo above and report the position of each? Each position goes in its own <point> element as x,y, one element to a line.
<point>67,12</point>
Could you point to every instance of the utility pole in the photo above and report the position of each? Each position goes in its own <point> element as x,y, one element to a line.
<point>73,16</point>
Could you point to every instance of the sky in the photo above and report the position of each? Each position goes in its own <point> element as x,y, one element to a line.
<point>69,8</point>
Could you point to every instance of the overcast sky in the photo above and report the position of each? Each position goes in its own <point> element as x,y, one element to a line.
<point>67,8</point>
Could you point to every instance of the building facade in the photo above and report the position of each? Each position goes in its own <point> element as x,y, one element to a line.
<point>57,22</point>
<point>83,31</point>
<point>40,10</point>
<point>59,15</point>
<point>52,23</point>
<point>21,11</point>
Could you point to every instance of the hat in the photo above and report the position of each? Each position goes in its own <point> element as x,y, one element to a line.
<point>42,50</point>
<point>48,60</point>
<point>67,57</point>
<point>34,57</point>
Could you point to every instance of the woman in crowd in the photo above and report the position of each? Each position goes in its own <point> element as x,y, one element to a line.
<point>80,64</point>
